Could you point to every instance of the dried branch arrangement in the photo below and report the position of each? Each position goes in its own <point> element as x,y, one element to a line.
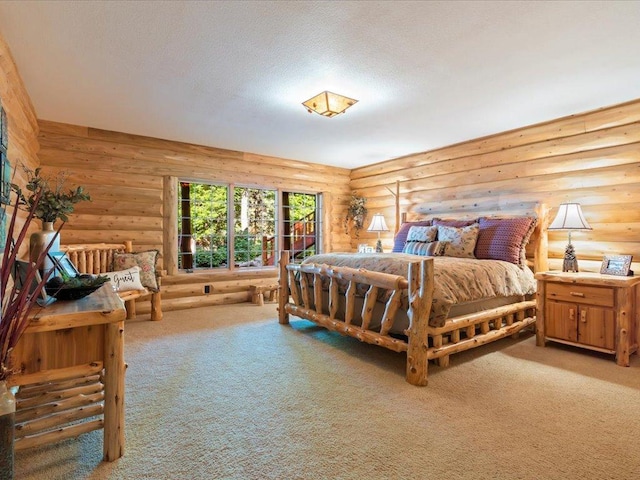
<point>18,300</point>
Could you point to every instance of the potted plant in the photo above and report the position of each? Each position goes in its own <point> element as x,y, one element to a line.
<point>17,302</point>
<point>356,213</point>
<point>50,202</point>
<point>54,203</point>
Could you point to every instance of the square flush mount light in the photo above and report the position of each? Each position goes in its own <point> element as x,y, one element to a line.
<point>328,104</point>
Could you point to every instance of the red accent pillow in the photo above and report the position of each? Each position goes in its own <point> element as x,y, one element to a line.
<point>401,237</point>
<point>504,238</point>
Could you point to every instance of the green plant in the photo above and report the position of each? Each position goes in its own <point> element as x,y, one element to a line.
<point>54,202</point>
<point>356,212</point>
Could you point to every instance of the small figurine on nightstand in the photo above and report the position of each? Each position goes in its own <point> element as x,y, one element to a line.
<point>570,263</point>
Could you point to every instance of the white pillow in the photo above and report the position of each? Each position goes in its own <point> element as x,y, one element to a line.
<point>462,241</point>
<point>125,280</point>
<point>422,234</point>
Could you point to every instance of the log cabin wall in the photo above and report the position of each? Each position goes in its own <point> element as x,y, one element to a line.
<point>591,158</point>
<point>22,123</point>
<point>127,177</point>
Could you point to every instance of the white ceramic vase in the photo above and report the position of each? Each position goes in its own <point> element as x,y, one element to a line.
<point>39,242</point>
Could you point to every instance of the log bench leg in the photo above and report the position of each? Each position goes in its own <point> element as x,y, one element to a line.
<point>130,305</point>
<point>257,293</point>
<point>273,294</point>
<point>156,306</point>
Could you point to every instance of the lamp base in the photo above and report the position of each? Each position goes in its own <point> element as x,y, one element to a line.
<point>379,246</point>
<point>570,262</point>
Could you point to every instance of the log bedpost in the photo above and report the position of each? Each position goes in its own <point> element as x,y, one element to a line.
<point>283,291</point>
<point>420,299</point>
<point>541,252</point>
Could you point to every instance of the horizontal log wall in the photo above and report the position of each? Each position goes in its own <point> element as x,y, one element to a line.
<point>126,177</point>
<point>22,122</point>
<point>591,158</point>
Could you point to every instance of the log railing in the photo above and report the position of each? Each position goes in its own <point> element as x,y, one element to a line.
<point>303,236</point>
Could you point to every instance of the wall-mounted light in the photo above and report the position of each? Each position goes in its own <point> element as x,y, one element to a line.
<point>328,104</point>
<point>569,217</point>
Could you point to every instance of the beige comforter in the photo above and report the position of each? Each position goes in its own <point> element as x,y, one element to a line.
<point>456,280</point>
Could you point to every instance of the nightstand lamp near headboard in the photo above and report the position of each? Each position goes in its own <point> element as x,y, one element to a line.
<point>378,225</point>
<point>570,217</point>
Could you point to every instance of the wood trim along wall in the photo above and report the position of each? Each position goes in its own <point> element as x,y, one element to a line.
<point>591,158</point>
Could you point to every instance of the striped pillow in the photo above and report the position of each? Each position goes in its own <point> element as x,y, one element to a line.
<point>426,249</point>
<point>504,238</point>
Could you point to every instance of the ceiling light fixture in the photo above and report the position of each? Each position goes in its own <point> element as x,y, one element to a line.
<point>328,104</point>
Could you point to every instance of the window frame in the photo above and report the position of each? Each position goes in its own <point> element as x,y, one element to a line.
<point>230,221</point>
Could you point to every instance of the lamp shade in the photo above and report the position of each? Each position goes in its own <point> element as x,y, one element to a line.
<point>328,104</point>
<point>378,224</point>
<point>569,217</point>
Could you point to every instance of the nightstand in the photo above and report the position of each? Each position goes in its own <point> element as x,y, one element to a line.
<point>589,310</point>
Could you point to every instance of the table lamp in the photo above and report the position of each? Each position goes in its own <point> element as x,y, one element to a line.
<point>569,217</point>
<point>378,225</point>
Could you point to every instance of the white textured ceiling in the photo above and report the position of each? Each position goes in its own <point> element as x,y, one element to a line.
<point>233,74</point>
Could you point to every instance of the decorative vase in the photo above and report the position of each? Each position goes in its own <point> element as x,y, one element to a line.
<point>39,242</point>
<point>7,425</point>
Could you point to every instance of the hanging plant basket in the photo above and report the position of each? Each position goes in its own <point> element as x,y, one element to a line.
<point>356,214</point>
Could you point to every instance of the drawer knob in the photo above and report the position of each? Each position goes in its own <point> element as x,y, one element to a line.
<point>576,294</point>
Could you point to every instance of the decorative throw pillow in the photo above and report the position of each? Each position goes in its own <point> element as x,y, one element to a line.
<point>462,241</point>
<point>454,223</point>
<point>401,237</point>
<point>427,249</point>
<point>422,234</point>
<point>125,280</point>
<point>145,260</point>
<point>504,238</point>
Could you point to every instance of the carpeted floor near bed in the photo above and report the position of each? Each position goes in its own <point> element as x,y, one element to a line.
<point>228,393</point>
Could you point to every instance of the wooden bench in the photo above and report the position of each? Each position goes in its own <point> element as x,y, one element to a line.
<point>97,258</point>
<point>257,293</point>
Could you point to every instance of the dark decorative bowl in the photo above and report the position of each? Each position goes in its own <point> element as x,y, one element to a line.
<point>71,293</point>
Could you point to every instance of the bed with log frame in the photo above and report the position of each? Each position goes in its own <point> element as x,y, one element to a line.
<point>302,294</point>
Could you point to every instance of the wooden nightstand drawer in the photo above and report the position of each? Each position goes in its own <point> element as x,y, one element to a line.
<point>601,296</point>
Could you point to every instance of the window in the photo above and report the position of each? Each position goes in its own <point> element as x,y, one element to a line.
<point>254,224</point>
<point>301,224</point>
<point>206,213</point>
<point>202,226</point>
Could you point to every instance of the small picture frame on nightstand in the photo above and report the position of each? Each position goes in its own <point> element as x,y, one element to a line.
<point>617,265</point>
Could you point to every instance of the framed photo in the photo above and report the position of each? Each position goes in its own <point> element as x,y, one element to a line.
<point>617,265</point>
<point>63,265</point>
<point>21,270</point>
<point>4,130</point>
<point>370,249</point>
<point>362,248</point>
<point>5,178</point>
<point>3,229</point>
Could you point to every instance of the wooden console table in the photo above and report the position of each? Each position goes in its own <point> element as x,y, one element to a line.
<point>72,368</point>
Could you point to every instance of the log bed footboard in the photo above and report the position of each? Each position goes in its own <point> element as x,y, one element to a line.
<point>423,342</point>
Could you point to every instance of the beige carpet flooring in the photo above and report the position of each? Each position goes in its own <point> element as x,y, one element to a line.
<point>228,393</point>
